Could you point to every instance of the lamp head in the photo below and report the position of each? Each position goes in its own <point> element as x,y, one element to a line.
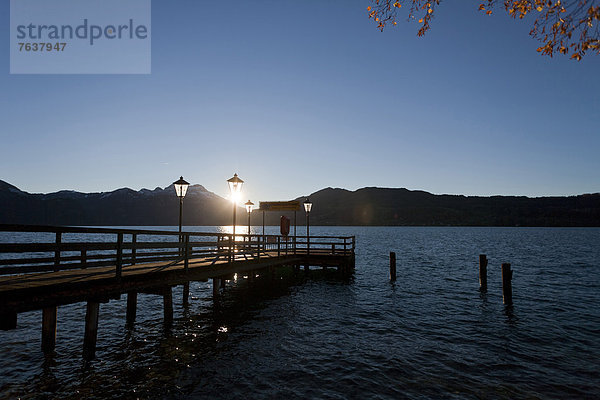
<point>235,184</point>
<point>181,187</point>
<point>307,205</point>
<point>249,206</point>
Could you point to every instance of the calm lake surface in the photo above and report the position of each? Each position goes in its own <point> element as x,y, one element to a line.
<point>432,334</point>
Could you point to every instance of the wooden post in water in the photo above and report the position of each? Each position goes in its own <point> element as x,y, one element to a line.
<point>392,266</point>
<point>48,329</point>
<point>131,308</point>
<point>186,294</point>
<point>168,307</point>
<point>91,330</point>
<point>507,284</point>
<point>483,262</point>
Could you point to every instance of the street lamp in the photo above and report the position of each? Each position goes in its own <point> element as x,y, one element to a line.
<point>181,188</point>
<point>307,208</point>
<point>249,207</point>
<point>235,187</point>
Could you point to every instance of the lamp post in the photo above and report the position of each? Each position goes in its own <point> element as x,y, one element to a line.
<point>307,208</point>
<point>181,188</point>
<point>249,207</point>
<point>235,187</point>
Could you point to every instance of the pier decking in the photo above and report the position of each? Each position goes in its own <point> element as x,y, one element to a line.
<point>71,264</point>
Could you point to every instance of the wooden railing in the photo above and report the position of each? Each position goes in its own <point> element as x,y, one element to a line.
<point>30,249</point>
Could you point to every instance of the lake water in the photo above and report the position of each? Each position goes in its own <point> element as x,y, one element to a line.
<point>431,334</point>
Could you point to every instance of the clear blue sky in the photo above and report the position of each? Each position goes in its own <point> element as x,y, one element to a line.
<point>296,96</point>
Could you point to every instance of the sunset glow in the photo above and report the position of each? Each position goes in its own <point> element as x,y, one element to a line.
<point>235,197</point>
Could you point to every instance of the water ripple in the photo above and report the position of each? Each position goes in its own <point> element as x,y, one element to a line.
<point>431,334</point>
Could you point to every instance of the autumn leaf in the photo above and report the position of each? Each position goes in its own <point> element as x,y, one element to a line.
<point>572,27</point>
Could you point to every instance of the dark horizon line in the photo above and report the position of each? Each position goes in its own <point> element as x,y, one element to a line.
<point>319,190</point>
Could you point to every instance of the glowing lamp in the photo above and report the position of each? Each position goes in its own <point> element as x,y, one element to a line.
<point>181,187</point>
<point>307,205</point>
<point>235,184</point>
<point>249,206</point>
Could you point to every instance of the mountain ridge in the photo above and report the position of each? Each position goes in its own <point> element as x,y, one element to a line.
<point>371,206</point>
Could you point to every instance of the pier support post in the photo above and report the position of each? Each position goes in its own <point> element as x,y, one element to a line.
<point>507,284</point>
<point>216,285</point>
<point>168,307</point>
<point>343,269</point>
<point>271,272</point>
<point>48,329</point>
<point>8,321</point>
<point>131,308</point>
<point>392,266</point>
<point>483,262</point>
<point>186,294</point>
<point>347,269</point>
<point>91,330</point>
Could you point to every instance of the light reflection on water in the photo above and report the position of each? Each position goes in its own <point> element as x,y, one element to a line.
<point>429,335</point>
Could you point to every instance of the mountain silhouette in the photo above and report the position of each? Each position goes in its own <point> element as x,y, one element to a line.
<point>120,207</point>
<point>391,207</point>
<point>367,206</point>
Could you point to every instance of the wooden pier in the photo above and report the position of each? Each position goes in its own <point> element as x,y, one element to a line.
<point>94,265</point>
